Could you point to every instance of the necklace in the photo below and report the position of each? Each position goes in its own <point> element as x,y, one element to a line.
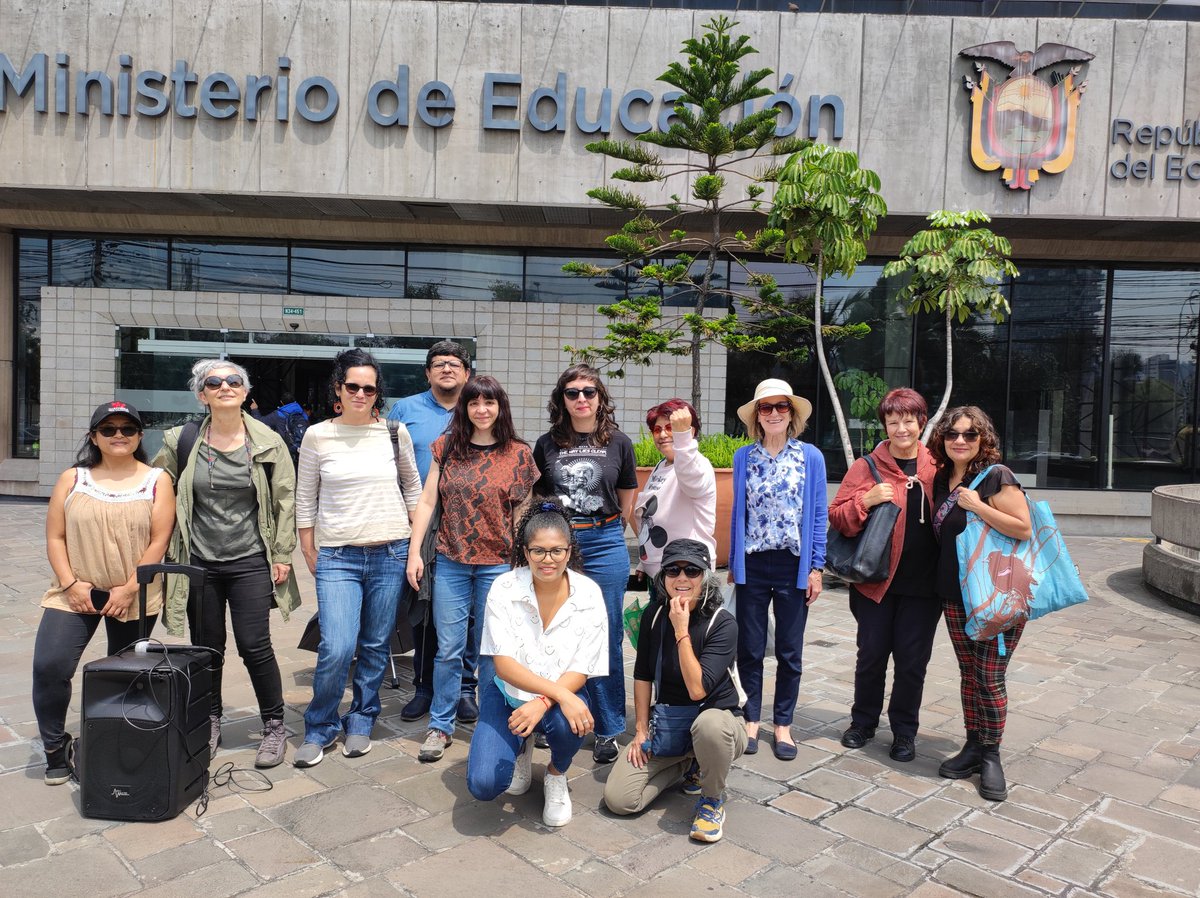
<point>211,458</point>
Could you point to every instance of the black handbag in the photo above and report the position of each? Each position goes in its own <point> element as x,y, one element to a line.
<point>864,558</point>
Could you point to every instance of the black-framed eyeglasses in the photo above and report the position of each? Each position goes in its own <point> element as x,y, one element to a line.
<point>558,553</point>
<point>967,436</point>
<point>450,364</point>
<point>572,393</point>
<point>674,570</point>
<point>213,382</point>
<point>109,431</point>
<point>365,389</point>
<point>765,408</point>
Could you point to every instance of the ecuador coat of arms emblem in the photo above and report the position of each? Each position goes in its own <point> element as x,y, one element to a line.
<point>1024,124</point>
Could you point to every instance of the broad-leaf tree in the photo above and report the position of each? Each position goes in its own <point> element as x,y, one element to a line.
<point>677,245</point>
<point>828,207</point>
<point>957,267</point>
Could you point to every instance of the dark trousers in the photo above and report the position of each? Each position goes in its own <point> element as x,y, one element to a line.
<point>771,583</point>
<point>425,647</point>
<point>245,587</point>
<point>900,627</point>
<point>61,638</point>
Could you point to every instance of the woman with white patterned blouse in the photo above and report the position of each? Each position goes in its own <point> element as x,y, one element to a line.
<point>776,549</point>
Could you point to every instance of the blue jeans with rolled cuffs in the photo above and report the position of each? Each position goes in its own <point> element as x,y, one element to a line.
<point>606,561</point>
<point>494,747</point>
<point>358,588</point>
<point>459,593</point>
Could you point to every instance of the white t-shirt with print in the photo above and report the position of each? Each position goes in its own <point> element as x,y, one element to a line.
<point>575,641</point>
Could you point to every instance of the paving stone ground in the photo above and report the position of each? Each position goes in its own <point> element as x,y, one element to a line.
<point>1100,753</point>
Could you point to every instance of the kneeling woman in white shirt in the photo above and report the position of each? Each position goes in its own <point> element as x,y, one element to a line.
<point>546,630</point>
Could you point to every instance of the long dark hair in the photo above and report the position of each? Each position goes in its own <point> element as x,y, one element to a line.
<point>561,430</point>
<point>356,358</point>
<point>989,443</point>
<point>89,454</point>
<point>711,598</point>
<point>458,434</point>
<point>544,514</point>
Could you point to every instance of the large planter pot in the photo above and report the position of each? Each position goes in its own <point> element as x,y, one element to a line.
<point>724,508</point>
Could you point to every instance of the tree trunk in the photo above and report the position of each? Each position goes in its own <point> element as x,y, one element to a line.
<point>941,409</point>
<point>843,431</point>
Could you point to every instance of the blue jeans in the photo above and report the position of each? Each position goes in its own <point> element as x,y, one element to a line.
<point>606,560</point>
<point>494,748</point>
<point>459,593</point>
<point>771,581</point>
<point>357,591</point>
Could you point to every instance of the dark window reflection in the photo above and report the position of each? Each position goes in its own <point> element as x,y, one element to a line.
<point>33,255</point>
<point>684,295</point>
<point>347,271</point>
<point>231,267</point>
<point>545,281</point>
<point>457,274</point>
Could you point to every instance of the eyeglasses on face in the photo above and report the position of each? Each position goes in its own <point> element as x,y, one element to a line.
<point>213,382</point>
<point>108,431</point>
<point>557,553</point>
<point>365,389</point>
<point>660,428</point>
<point>674,570</point>
<point>967,436</point>
<point>572,393</point>
<point>448,364</point>
<point>765,408</point>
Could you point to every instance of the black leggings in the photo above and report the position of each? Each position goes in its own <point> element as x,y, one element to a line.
<point>61,638</point>
<point>245,586</point>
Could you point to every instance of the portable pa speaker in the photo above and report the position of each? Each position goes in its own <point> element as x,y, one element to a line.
<point>143,749</point>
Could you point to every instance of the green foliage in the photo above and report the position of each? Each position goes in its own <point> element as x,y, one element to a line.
<point>866,392</point>
<point>718,448</point>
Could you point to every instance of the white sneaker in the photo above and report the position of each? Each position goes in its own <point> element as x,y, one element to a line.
<point>557,809</point>
<point>522,771</point>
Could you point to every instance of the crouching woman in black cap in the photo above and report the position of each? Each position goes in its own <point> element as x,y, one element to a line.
<point>686,650</point>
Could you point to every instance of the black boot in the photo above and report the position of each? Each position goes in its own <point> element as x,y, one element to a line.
<point>965,763</point>
<point>991,774</point>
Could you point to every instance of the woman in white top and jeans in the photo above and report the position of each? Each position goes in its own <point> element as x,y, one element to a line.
<point>355,493</point>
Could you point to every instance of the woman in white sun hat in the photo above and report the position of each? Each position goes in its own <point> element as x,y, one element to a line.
<point>776,549</point>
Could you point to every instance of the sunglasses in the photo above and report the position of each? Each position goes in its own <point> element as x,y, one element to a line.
<point>690,570</point>
<point>765,408</point>
<point>108,431</point>
<point>661,428</point>
<point>967,436</point>
<point>572,393</point>
<point>212,382</point>
<point>558,553</point>
<point>365,389</point>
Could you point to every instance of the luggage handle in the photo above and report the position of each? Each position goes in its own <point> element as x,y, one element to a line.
<point>146,574</point>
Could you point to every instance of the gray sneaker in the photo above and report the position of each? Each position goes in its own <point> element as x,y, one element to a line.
<point>434,746</point>
<point>356,746</point>
<point>273,748</point>
<point>310,754</point>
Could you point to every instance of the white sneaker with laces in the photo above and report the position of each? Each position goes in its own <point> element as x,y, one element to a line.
<point>522,771</point>
<point>557,809</point>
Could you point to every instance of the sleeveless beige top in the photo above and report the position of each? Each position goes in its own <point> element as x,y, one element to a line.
<point>107,534</point>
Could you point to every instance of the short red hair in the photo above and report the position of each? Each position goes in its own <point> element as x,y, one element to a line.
<point>665,409</point>
<point>904,401</point>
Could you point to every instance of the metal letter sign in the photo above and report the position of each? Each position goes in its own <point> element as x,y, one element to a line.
<point>1026,124</point>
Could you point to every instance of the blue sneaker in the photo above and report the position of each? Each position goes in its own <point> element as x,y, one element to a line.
<point>691,779</point>
<point>710,818</point>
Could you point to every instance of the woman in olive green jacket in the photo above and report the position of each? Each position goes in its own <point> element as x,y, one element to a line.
<point>235,518</point>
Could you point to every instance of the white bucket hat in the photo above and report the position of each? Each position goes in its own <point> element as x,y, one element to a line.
<point>801,407</point>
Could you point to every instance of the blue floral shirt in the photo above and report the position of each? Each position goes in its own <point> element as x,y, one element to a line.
<point>774,498</point>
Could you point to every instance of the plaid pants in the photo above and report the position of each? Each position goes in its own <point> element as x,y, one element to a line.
<point>981,670</point>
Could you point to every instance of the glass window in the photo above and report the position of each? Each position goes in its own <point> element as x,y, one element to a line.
<point>683,295</point>
<point>132,264</point>
<point>230,267</point>
<point>1152,366</point>
<point>73,262</point>
<point>545,281</point>
<point>459,274</point>
<point>33,256</point>
<point>347,271</point>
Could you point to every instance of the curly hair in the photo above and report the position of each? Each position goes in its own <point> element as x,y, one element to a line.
<point>561,430</point>
<point>544,514</point>
<point>458,434</point>
<point>666,409</point>
<point>711,598</point>
<point>989,443</point>
<point>355,358</point>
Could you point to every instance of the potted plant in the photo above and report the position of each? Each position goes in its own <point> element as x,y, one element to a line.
<point>718,448</point>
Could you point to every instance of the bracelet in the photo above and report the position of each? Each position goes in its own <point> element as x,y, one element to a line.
<point>69,585</point>
<point>683,637</point>
<point>547,701</point>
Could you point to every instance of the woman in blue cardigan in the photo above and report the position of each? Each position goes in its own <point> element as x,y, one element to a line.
<point>776,549</point>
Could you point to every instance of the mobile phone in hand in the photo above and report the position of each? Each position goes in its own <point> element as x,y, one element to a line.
<point>99,598</point>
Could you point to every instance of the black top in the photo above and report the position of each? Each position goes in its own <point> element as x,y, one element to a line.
<point>915,574</point>
<point>716,649</point>
<point>955,522</point>
<point>586,477</point>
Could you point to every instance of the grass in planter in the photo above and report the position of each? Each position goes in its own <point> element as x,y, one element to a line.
<point>718,448</point>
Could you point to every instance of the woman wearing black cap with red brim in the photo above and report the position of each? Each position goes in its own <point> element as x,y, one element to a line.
<point>688,644</point>
<point>107,515</point>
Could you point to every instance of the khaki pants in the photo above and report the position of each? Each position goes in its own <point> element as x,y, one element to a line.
<point>718,739</point>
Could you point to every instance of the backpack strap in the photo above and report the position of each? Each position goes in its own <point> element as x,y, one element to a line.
<point>188,434</point>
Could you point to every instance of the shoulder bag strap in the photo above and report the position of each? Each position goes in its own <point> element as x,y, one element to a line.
<point>874,470</point>
<point>188,434</point>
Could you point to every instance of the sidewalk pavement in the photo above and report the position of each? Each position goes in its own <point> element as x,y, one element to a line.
<point>1100,754</point>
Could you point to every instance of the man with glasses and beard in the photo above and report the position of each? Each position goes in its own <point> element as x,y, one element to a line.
<point>427,415</point>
